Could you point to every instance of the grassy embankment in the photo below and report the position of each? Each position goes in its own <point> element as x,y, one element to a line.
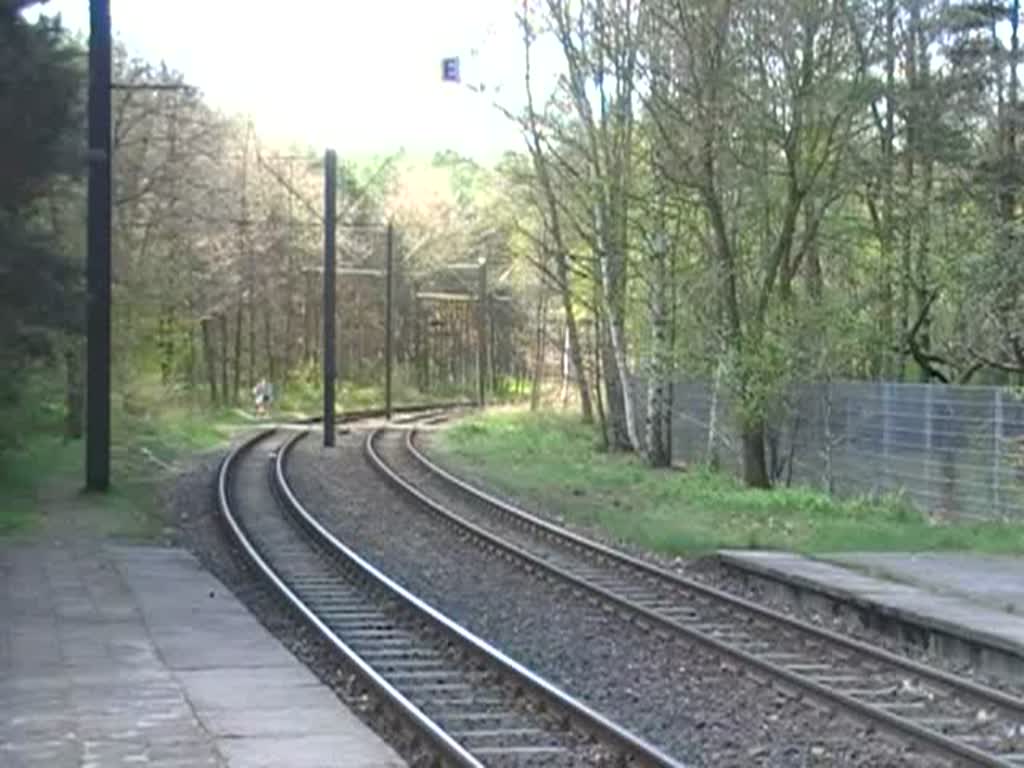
<point>550,461</point>
<point>42,473</point>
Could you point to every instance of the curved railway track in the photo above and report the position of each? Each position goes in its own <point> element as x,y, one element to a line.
<point>948,715</point>
<point>471,704</point>
<point>402,413</point>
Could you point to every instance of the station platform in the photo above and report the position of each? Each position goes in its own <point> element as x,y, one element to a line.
<point>964,606</point>
<point>128,656</point>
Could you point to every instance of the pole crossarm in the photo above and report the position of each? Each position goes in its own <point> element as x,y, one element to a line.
<point>152,87</point>
<point>446,296</point>
<point>362,271</point>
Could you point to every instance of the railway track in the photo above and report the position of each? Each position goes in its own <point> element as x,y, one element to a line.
<point>470,704</point>
<point>402,413</point>
<point>945,714</point>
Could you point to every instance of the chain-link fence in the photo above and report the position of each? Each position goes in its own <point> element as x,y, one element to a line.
<point>954,451</point>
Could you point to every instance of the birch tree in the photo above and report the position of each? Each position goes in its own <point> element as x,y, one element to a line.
<point>591,142</point>
<point>759,119</point>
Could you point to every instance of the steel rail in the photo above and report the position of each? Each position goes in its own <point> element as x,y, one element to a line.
<point>981,692</point>
<point>347,417</point>
<point>441,740</point>
<point>582,716</point>
<point>904,727</point>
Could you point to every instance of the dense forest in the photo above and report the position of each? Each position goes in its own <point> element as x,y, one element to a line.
<point>751,193</point>
<point>780,191</point>
<point>218,246</point>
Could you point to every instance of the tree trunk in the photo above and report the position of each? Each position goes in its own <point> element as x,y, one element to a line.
<point>493,354</point>
<point>564,367</point>
<point>419,351</point>
<point>539,349</point>
<point>598,398</point>
<point>657,400</point>
<point>618,434</point>
<point>268,341</point>
<point>247,254</point>
<point>613,289</point>
<point>251,314</point>
<point>658,454</point>
<point>913,111</point>
<point>74,395</point>
<point>191,358</point>
<point>657,378</point>
<point>343,330</point>
<point>922,279</point>
<point>572,331</point>
<point>1007,182</point>
<point>755,464</point>
<point>209,357</point>
<point>238,354</point>
<point>712,456</point>
<point>427,351</point>
<point>165,343</point>
<point>554,226</point>
<point>671,372</point>
<point>222,319</point>
<point>307,320</point>
<point>892,363</point>
<point>289,320</point>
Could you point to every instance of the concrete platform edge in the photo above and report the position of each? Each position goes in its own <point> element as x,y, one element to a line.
<point>983,643</point>
<point>113,654</point>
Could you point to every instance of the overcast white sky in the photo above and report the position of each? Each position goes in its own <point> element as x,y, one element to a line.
<point>362,76</point>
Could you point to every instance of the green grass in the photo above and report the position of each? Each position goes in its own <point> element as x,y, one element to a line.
<point>551,461</point>
<point>304,394</point>
<point>42,474</point>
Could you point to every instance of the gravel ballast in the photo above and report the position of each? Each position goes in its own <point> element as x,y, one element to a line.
<point>679,696</point>
<point>711,571</point>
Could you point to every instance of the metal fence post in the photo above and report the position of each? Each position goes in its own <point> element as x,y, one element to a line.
<point>826,436</point>
<point>848,440</point>
<point>928,390</point>
<point>885,434</point>
<point>997,449</point>
<point>330,213</point>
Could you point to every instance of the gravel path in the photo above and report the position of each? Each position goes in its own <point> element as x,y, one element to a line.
<point>710,571</point>
<point>678,695</point>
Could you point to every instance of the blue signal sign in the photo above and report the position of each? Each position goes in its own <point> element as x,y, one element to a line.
<point>450,69</point>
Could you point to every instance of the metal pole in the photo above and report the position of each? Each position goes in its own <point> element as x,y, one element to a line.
<point>482,335</point>
<point>330,214</point>
<point>388,350</point>
<point>97,414</point>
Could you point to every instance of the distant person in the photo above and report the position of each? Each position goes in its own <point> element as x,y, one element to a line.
<point>263,393</point>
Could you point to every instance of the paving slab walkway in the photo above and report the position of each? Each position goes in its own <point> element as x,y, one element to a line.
<point>128,656</point>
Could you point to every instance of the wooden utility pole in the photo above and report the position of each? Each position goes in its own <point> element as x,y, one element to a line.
<point>330,215</point>
<point>97,415</point>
